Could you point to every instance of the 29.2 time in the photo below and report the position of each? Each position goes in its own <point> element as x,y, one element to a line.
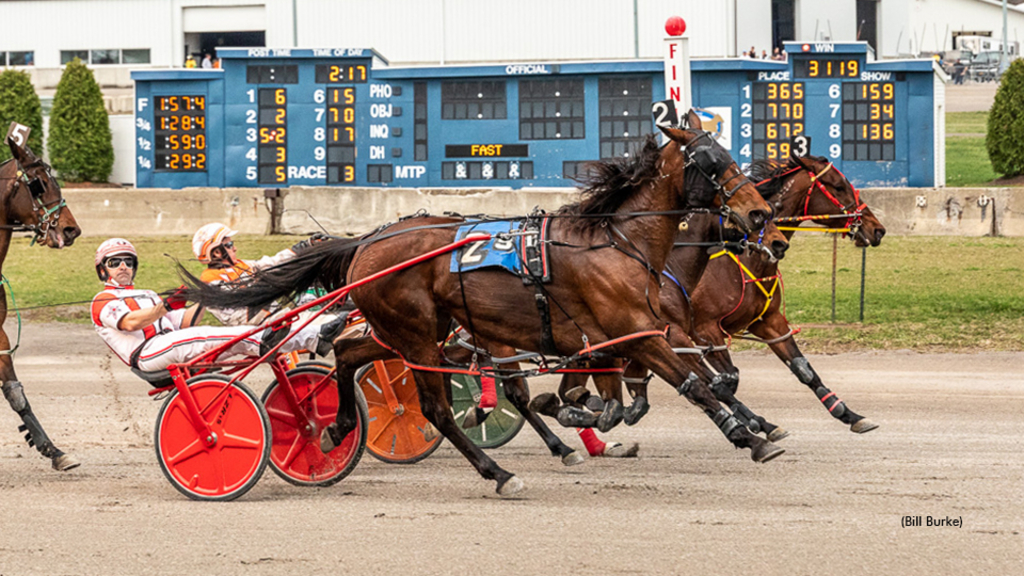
<point>178,161</point>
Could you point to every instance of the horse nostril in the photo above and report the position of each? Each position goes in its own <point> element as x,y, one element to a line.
<point>71,233</point>
<point>879,232</point>
<point>779,247</point>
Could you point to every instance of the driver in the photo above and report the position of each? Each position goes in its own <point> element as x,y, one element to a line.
<point>149,333</point>
<point>213,245</point>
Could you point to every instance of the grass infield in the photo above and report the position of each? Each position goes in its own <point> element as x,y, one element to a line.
<point>923,293</point>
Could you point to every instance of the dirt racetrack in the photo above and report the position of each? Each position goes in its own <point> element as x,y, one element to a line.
<point>949,446</point>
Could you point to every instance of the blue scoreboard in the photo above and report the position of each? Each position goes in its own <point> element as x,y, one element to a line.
<point>343,117</point>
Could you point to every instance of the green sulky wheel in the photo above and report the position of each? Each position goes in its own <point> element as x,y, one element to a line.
<point>501,425</point>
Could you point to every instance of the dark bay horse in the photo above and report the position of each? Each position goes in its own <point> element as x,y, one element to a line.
<point>728,301</point>
<point>606,255</point>
<point>30,199</point>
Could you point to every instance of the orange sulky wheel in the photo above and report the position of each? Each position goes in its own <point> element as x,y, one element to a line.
<point>396,423</point>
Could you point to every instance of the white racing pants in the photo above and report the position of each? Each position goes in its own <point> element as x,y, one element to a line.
<point>180,346</point>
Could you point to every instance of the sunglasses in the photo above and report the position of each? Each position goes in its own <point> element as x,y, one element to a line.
<point>114,263</point>
<point>228,245</point>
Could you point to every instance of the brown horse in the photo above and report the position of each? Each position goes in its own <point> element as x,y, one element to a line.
<point>30,200</point>
<point>606,254</point>
<point>728,302</point>
<point>700,235</point>
<point>740,295</point>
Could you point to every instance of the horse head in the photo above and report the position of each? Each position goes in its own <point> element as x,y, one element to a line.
<point>34,200</point>
<point>831,194</point>
<point>715,180</point>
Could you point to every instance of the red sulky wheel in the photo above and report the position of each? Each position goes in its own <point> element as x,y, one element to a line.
<point>295,454</point>
<point>229,466</point>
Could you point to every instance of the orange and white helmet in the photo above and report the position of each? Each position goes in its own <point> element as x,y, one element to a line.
<point>209,237</point>
<point>113,247</point>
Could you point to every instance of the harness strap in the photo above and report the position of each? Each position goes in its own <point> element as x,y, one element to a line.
<point>17,312</point>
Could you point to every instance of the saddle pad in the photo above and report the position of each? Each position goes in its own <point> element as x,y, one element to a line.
<point>512,244</point>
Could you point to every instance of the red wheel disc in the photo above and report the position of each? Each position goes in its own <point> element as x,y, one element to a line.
<point>295,452</point>
<point>234,462</point>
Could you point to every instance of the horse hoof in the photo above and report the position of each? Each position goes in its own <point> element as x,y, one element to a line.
<point>572,417</point>
<point>616,450</point>
<point>511,487</point>
<point>474,418</point>
<point>863,425</point>
<point>327,442</point>
<point>594,403</point>
<point>572,458</point>
<point>577,395</point>
<point>430,433</point>
<point>636,411</point>
<point>65,462</point>
<point>777,434</point>
<point>765,452</point>
<point>546,404</point>
<point>611,416</point>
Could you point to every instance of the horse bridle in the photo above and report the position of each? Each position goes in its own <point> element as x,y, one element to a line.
<point>853,213</point>
<point>701,158</point>
<point>48,216</point>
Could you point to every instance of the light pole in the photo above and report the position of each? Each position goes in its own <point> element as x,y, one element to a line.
<point>1003,61</point>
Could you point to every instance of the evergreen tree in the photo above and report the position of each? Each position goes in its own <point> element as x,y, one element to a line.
<point>80,144</point>
<point>1005,135</point>
<point>19,103</point>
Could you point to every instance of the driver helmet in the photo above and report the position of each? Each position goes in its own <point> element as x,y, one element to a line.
<point>209,237</point>
<point>114,247</point>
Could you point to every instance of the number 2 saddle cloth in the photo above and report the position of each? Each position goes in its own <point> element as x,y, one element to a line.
<point>518,246</point>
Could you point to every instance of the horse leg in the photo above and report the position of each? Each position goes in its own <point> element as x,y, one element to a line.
<point>679,372</point>
<point>775,326</point>
<point>636,377</point>
<point>34,433</point>
<point>434,401</point>
<point>350,354</point>
<point>518,393</point>
<point>724,384</point>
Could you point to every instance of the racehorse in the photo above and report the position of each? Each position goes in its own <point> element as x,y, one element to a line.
<point>737,297</point>
<point>743,293</point>
<point>30,200</point>
<point>606,253</point>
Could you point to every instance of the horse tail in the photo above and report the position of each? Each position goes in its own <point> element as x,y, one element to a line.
<point>324,264</point>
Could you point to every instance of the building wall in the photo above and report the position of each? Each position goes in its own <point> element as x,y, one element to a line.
<point>427,31</point>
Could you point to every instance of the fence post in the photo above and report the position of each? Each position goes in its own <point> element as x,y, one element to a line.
<point>835,247</point>
<point>863,273</point>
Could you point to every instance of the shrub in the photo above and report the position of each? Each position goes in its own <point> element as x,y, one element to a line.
<point>1005,138</point>
<point>19,103</point>
<point>79,142</point>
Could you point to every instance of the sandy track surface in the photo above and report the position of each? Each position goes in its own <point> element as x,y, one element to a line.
<point>949,446</point>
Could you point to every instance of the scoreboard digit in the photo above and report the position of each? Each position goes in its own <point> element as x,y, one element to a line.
<point>341,135</point>
<point>778,117</point>
<point>180,133</point>
<point>273,135</point>
<point>869,119</point>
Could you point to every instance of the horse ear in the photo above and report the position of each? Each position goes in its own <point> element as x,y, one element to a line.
<point>675,134</point>
<point>693,120</point>
<point>803,161</point>
<point>16,150</point>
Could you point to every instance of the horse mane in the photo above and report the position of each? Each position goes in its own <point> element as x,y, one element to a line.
<point>607,184</point>
<point>766,173</point>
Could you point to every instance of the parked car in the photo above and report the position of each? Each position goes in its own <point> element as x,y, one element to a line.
<point>984,66</point>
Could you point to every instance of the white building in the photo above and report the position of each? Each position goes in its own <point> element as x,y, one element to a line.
<point>48,33</point>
